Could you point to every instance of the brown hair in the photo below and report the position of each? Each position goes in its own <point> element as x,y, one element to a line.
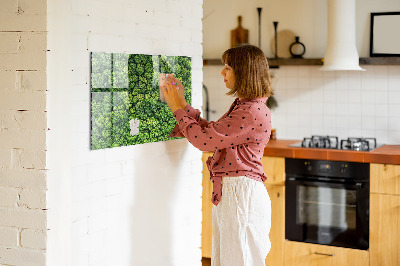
<point>250,66</point>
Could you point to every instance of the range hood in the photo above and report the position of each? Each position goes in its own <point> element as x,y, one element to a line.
<point>341,51</point>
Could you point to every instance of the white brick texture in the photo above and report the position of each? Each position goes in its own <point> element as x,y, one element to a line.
<point>126,201</point>
<point>18,256</point>
<point>9,237</point>
<point>35,239</point>
<point>33,199</point>
<point>23,218</point>
<point>23,178</point>
<point>23,126</point>
<point>8,197</point>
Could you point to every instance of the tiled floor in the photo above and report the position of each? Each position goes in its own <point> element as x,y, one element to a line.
<point>206,261</point>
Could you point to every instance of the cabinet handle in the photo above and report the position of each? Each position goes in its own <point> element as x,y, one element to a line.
<point>324,254</point>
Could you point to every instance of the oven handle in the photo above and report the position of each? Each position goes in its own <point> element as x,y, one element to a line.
<point>357,185</point>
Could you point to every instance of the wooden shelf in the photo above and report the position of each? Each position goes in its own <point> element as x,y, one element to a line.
<point>274,63</point>
<point>380,61</point>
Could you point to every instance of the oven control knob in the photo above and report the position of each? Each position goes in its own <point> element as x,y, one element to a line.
<point>308,166</point>
<point>343,168</point>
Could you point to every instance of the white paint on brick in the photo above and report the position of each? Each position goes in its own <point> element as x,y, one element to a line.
<point>32,198</point>
<point>8,197</point>
<point>33,159</point>
<point>31,80</point>
<point>34,239</point>
<point>9,237</point>
<point>5,160</point>
<point>23,178</point>
<point>22,100</point>
<point>113,196</point>
<point>9,42</point>
<point>23,218</point>
<point>22,22</point>
<point>15,158</point>
<point>7,80</point>
<point>27,120</point>
<point>21,256</point>
<point>22,130</point>
<point>21,139</point>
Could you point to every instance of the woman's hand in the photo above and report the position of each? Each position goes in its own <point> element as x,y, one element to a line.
<point>174,94</point>
<point>181,91</point>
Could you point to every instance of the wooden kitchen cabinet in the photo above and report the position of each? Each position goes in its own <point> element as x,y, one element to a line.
<point>277,233</point>
<point>206,225</point>
<point>305,254</point>
<point>385,178</point>
<point>385,215</point>
<point>274,168</point>
<point>384,236</point>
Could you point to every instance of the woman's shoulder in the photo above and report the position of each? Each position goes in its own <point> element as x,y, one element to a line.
<point>257,104</point>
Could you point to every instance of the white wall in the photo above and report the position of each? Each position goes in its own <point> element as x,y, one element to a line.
<point>23,133</point>
<point>135,205</point>
<point>306,19</point>
<point>311,102</point>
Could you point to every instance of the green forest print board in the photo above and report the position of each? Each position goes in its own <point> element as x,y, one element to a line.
<point>125,97</point>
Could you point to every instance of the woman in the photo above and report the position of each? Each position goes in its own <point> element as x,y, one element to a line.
<point>242,208</point>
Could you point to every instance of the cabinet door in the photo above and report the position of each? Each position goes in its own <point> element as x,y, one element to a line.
<point>384,230</point>
<point>304,254</point>
<point>277,233</point>
<point>206,226</point>
<point>385,178</point>
<point>274,168</point>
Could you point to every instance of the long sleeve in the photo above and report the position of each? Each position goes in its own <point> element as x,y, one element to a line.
<point>232,130</point>
<point>193,113</point>
<point>238,140</point>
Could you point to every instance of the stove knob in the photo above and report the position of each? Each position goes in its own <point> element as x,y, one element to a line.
<point>343,168</point>
<point>308,166</point>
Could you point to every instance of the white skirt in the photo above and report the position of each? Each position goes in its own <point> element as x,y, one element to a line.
<point>241,223</point>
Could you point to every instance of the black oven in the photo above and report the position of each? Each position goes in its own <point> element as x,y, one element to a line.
<point>327,202</point>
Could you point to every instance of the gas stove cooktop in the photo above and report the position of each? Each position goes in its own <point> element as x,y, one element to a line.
<point>332,142</point>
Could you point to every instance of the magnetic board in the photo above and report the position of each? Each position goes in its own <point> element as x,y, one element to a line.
<point>125,97</point>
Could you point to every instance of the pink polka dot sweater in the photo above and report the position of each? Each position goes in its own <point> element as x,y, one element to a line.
<point>238,139</point>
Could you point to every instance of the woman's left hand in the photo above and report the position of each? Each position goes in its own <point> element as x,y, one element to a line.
<point>170,90</point>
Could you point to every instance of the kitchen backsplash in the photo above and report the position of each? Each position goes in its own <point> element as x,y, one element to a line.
<point>314,102</point>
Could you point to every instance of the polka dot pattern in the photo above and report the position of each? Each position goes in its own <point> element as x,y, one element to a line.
<point>238,139</point>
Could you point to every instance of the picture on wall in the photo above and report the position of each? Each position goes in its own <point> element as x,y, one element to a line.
<point>126,105</point>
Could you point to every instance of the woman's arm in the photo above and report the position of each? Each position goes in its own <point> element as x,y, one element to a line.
<point>238,128</point>
<point>175,97</point>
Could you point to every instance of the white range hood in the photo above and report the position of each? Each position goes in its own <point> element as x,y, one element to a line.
<point>341,51</point>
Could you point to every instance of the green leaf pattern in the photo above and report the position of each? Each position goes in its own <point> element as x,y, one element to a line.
<point>126,87</point>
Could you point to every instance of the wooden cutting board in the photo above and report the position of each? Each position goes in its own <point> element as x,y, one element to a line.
<point>239,35</point>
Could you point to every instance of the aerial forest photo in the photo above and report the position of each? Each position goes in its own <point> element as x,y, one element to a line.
<point>125,97</point>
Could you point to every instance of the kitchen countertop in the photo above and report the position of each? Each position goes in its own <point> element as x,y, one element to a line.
<point>389,154</point>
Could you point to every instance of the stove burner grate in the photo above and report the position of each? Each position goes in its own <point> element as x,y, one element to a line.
<point>358,144</point>
<point>332,142</point>
<point>327,142</point>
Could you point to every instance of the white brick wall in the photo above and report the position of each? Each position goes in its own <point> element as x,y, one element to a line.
<point>136,205</point>
<point>23,128</point>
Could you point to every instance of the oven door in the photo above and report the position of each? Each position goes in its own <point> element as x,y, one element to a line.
<point>327,213</point>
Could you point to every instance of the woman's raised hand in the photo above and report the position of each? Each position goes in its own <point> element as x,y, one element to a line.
<point>174,94</point>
